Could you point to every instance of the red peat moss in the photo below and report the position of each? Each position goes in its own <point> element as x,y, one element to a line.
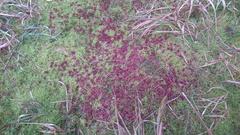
<point>118,70</point>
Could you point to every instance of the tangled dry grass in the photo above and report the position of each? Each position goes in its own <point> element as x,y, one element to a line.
<point>185,17</point>
<point>193,18</point>
<point>14,13</point>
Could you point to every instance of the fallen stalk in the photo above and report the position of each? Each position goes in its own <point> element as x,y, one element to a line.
<point>233,82</point>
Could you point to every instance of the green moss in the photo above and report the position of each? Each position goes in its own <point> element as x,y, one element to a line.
<point>30,86</point>
<point>231,124</point>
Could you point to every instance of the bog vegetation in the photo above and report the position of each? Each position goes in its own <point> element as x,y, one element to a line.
<point>111,67</point>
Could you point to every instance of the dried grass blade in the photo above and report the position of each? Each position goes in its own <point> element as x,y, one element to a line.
<point>160,114</point>
<point>142,24</point>
<point>233,82</point>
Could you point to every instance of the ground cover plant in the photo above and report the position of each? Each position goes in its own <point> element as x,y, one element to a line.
<point>130,67</point>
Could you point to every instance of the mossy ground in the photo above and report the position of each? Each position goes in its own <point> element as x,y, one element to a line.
<point>29,86</point>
